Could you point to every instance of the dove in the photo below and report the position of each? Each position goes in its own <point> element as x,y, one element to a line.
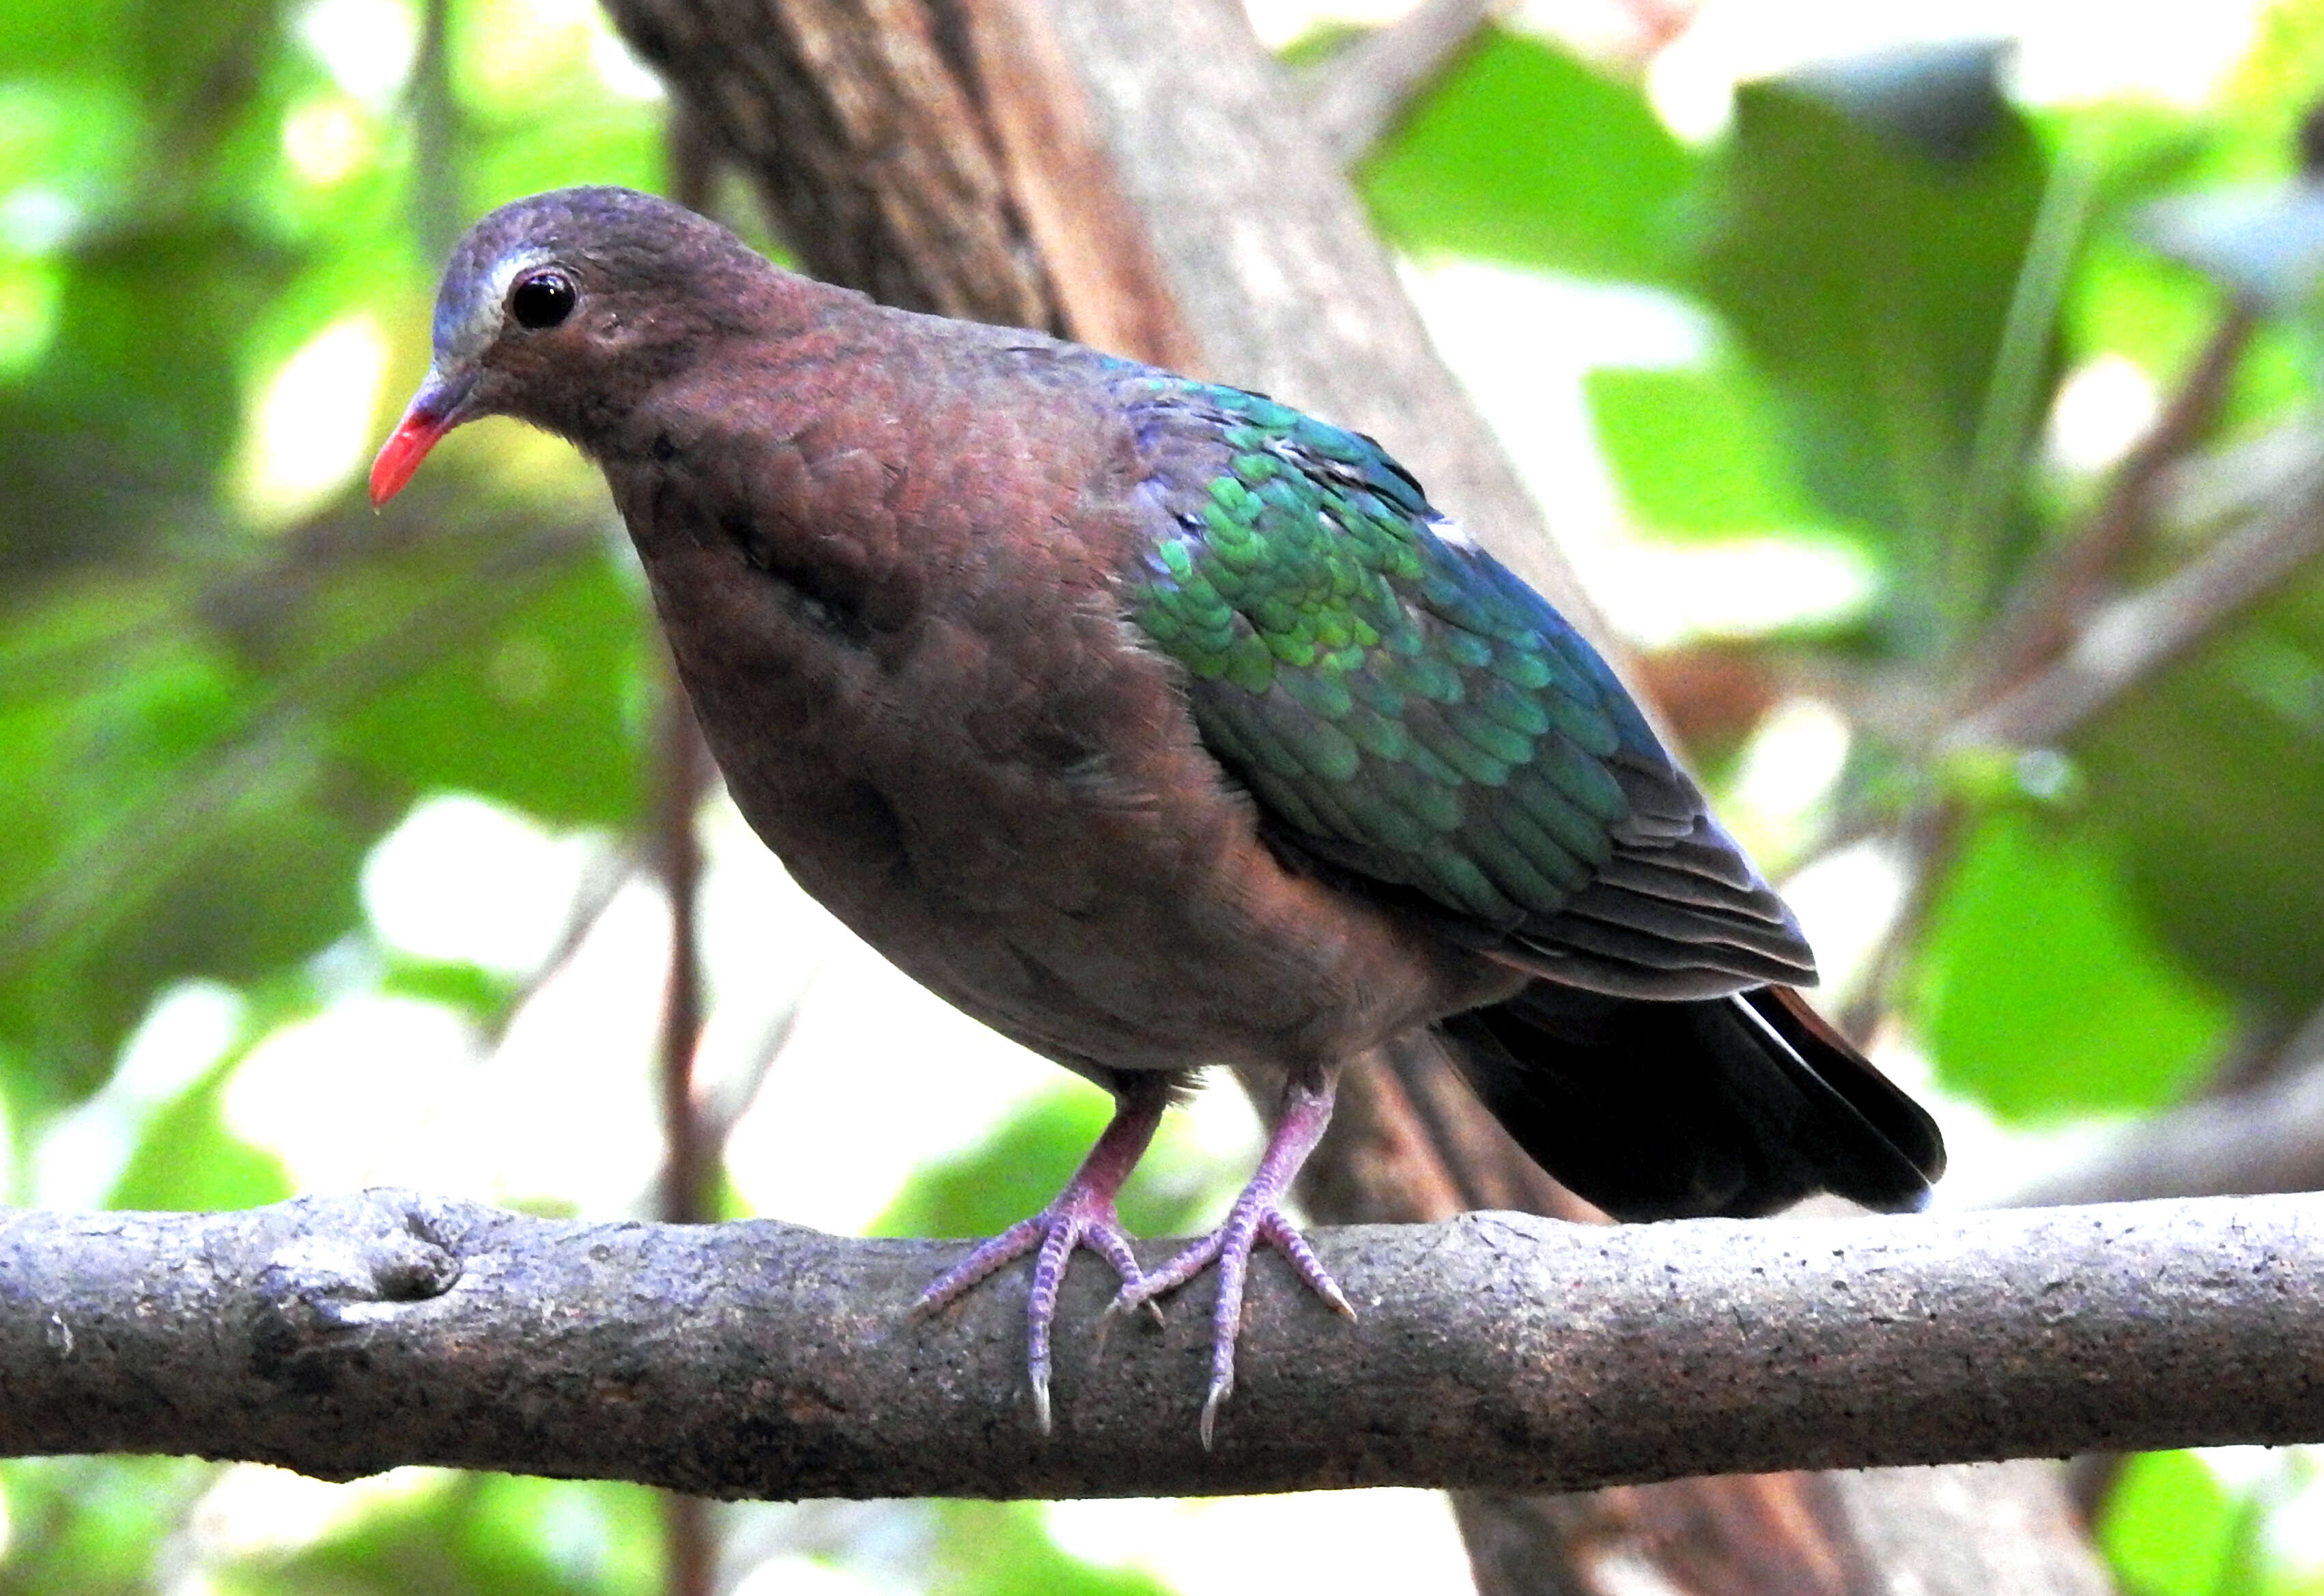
<point>1158,725</point>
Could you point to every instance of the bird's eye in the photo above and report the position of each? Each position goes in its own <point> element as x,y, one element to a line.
<point>541,298</point>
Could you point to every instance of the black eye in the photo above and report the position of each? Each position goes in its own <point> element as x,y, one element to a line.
<point>541,298</point>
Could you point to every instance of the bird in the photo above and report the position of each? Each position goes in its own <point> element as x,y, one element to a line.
<point>1159,725</point>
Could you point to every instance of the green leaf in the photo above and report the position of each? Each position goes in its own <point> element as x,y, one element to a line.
<point>2213,776</point>
<point>1697,451</point>
<point>151,829</point>
<point>598,1536</point>
<point>118,434</point>
<point>1522,153</point>
<point>484,996</point>
<point>2040,989</point>
<point>536,114</point>
<point>2170,1527</point>
<point>187,1160</point>
<point>1002,1549</point>
<point>1871,280</point>
<point>95,1525</point>
<point>531,702</point>
<point>478,1535</point>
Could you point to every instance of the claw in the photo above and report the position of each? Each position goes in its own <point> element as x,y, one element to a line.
<point>1220,1390</point>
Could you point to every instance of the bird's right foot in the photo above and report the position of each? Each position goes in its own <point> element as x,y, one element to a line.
<point>1081,1216</point>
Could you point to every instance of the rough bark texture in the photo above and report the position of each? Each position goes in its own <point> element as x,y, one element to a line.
<point>1499,1351</point>
<point>854,120</point>
<point>1247,257</point>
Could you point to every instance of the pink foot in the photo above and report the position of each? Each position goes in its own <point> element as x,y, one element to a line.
<point>1081,1215</point>
<point>1258,1215</point>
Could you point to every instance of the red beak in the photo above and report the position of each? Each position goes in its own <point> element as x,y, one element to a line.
<point>437,408</point>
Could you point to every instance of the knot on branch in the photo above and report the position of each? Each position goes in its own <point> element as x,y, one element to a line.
<point>344,1263</point>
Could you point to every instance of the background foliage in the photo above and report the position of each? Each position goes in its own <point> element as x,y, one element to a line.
<point>232,703</point>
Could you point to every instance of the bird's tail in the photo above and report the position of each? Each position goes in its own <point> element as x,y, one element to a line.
<point>1738,1106</point>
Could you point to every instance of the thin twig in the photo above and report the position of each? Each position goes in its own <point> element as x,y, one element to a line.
<point>602,881</point>
<point>2132,639</point>
<point>720,1110</point>
<point>1931,835</point>
<point>682,764</point>
<point>2037,623</point>
<point>2035,626</point>
<point>2124,644</point>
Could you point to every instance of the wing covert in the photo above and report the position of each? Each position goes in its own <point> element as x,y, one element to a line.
<point>1415,718</point>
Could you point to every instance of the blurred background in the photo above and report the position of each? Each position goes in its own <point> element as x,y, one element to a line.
<point>1927,392</point>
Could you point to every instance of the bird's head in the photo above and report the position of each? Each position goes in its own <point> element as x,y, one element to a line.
<point>558,309</point>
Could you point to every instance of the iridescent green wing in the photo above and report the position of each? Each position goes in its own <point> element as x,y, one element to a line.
<point>1410,715</point>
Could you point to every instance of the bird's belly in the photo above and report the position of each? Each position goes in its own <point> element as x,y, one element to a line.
<point>1052,850</point>
<point>1111,946</point>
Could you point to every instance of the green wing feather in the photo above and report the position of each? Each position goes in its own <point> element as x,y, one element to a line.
<point>1408,713</point>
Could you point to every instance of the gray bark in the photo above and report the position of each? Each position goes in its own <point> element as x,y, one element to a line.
<point>1500,1352</point>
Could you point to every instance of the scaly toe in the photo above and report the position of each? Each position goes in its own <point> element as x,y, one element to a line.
<point>1294,1247</point>
<point>986,1258</point>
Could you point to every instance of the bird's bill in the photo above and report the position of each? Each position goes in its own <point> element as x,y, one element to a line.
<point>440,405</point>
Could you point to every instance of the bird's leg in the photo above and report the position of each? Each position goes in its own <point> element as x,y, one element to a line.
<point>1081,1215</point>
<point>1258,1215</point>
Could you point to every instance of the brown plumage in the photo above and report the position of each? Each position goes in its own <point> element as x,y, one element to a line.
<point>954,604</point>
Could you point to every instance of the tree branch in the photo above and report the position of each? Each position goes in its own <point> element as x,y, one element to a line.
<point>814,95</point>
<point>2036,624</point>
<point>683,767</point>
<point>2133,638</point>
<point>344,1335</point>
<point>1357,94</point>
<point>682,772</point>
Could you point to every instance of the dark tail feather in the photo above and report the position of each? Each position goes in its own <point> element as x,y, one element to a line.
<point>1734,1106</point>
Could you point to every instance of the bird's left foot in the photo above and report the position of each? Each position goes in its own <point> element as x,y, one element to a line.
<point>1257,1216</point>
